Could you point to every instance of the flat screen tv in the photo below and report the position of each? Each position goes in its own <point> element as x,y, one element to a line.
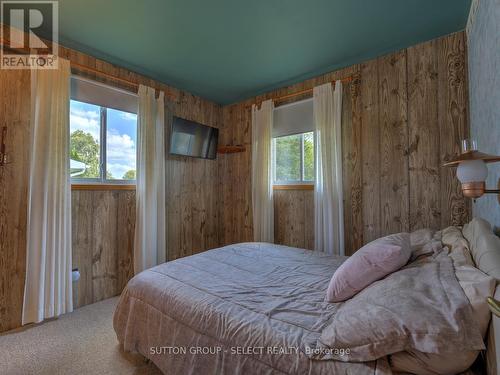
<point>188,138</point>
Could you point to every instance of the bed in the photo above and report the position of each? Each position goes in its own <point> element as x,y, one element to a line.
<point>250,308</point>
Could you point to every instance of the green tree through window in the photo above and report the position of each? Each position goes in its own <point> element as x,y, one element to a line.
<point>309,156</point>
<point>294,158</point>
<point>102,143</point>
<point>288,158</point>
<point>129,175</point>
<point>84,148</point>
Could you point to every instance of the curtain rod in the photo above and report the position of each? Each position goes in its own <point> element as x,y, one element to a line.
<point>102,84</point>
<point>306,91</point>
<point>83,68</point>
<point>135,85</point>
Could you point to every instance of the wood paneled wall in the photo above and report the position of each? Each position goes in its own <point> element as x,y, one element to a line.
<point>103,240</point>
<point>103,221</point>
<point>192,190</point>
<point>294,218</point>
<point>401,120</point>
<point>14,114</point>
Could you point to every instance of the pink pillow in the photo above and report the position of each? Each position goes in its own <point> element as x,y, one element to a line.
<point>372,262</point>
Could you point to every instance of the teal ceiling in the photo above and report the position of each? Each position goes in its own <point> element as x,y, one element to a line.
<point>228,50</point>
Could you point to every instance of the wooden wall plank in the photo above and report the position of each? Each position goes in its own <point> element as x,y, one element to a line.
<point>125,237</point>
<point>238,198</point>
<point>347,152</point>
<point>104,246</point>
<point>280,213</point>
<point>186,201</point>
<point>173,197</point>
<point>235,177</point>
<point>453,124</point>
<point>225,164</point>
<point>245,138</point>
<point>242,171</point>
<point>393,143</point>
<point>15,115</point>
<point>357,167</point>
<point>352,166</point>
<point>424,154</point>
<point>370,145</point>
<point>82,226</point>
<point>198,211</point>
<point>309,219</point>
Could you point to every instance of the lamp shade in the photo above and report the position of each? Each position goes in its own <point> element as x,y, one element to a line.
<point>472,155</point>
<point>472,171</point>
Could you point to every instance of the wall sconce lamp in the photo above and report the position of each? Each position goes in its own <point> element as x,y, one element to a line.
<point>472,170</point>
<point>472,173</point>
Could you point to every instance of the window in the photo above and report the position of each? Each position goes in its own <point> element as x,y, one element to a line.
<point>293,157</point>
<point>293,143</point>
<point>103,134</point>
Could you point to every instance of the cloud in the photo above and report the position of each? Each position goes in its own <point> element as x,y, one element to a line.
<point>118,170</point>
<point>87,121</point>
<point>128,116</point>
<point>121,153</point>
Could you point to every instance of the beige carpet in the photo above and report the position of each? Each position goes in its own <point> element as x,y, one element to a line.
<point>82,342</point>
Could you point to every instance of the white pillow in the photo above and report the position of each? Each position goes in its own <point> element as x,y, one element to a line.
<point>477,286</point>
<point>484,246</point>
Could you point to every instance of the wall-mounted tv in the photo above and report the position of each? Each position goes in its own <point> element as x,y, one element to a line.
<point>188,138</point>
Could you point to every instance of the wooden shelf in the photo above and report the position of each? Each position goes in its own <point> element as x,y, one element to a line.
<point>230,149</point>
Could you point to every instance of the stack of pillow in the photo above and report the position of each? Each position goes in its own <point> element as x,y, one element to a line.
<point>407,296</point>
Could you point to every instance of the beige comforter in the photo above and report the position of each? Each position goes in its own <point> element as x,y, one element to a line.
<point>249,308</point>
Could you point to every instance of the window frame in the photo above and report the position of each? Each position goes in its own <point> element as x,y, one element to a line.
<point>300,182</point>
<point>102,180</point>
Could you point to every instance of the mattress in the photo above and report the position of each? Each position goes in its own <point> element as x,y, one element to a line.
<point>249,308</point>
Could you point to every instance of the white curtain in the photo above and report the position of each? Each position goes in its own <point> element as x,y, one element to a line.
<point>262,189</point>
<point>150,228</point>
<point>48,284</point>
<point>328,200</point>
